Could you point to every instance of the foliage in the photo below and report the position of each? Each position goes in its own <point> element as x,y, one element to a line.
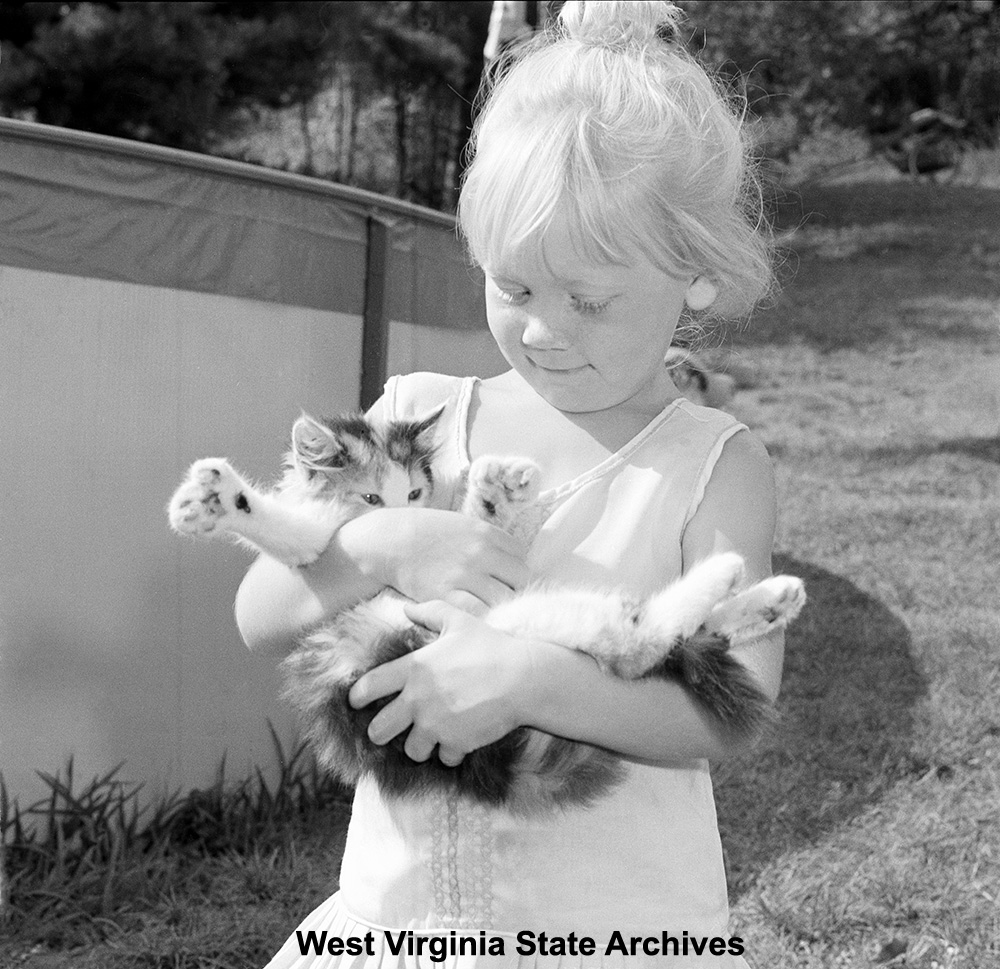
<point>82,858</point>
<point>859,64</point>
<point>178,74</point>
<point>380,94</point>
<point>200,75</point>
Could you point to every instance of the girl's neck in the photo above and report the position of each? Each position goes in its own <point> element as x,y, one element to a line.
<point>508,417</point>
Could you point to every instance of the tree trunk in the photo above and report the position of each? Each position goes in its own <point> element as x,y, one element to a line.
<point>309,161</point>
<point>402,153</point>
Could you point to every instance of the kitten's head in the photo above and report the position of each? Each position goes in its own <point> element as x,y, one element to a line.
<point>366,466</point>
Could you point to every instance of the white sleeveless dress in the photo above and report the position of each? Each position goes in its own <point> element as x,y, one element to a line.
<point>644,860</point>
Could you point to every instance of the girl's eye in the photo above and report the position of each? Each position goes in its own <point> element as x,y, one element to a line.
<point>416,494</point>
<point>513,297</point>
<point>589,307</point>
<point>371,499</point>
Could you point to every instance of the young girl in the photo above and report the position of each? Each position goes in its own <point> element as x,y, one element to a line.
<point>608,197</point>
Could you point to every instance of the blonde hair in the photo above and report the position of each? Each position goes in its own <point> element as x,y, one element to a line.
<point>607,113</point>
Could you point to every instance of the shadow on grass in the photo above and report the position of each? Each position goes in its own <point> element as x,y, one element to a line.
<point>981,448</point>
<point>986,449</point>
<point>847,709</point>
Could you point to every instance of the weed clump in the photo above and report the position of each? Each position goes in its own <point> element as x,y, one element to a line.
<point>85,862</point>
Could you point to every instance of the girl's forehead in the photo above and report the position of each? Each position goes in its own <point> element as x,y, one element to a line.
<point>558,251</point>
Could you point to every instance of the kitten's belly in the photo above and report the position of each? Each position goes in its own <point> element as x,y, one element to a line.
<point>574,618</point>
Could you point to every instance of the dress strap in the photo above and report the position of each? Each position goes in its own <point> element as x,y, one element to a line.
<point>704,474</point>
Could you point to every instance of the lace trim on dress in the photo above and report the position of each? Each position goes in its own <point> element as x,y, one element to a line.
<point>461,863</point>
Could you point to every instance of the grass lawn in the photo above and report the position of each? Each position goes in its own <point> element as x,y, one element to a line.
<point>866,828</point>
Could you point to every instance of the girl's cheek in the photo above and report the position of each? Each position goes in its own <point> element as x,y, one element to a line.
<point>507,321</point>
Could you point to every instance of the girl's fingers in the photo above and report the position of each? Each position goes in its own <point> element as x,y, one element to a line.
<point>384,680</point>
<point>418,746</point>
<point>392,720</point>
<point>493,591</point>
<point>449,756</point>
<point>467,602</point>
<point>431,615</point>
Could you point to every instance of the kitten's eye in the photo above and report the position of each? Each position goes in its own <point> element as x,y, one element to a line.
<point>416,494</point>
<point>373,500</point>
<point>489,507</point>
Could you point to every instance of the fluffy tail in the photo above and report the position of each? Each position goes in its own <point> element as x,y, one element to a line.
<point>721,683</point>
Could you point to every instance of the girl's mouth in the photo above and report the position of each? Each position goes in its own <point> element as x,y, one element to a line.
<point>548,368</point>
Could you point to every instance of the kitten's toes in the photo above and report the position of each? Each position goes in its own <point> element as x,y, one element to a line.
<point>717,577</point>
<point>679,611</point>
<point>512,479</point>
<point>521,479</point>
<point>770,604</point>
<point>212,493</point>
<point>498,486</point>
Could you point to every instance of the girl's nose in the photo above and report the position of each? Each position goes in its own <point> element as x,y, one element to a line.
<point>541,333</point>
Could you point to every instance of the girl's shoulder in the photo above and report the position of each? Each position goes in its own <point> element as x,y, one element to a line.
<point>407,395</point>
<point>736,505</point>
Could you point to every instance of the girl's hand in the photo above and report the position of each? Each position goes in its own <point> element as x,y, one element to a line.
<point>458,693</point>
<point>428,554</point>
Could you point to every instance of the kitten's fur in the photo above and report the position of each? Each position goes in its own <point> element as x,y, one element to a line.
<point>339,469</point>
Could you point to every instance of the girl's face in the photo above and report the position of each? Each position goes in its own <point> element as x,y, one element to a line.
<point>585,336</point>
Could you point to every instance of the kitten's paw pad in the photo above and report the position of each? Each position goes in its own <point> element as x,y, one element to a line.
<point>783,598</point>
<point>680,610</point>
<point>770,604</point>
<point>212,494</point>
<point>496,484</point>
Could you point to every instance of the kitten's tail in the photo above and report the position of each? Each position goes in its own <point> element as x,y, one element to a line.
<point>721,683</point>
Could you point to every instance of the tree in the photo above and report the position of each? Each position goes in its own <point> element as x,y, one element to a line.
<point>179,74</point>
<point>863,64</point>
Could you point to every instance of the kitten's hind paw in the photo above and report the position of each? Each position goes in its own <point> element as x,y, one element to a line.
<point>680,609</point>
<point>209,499</point>
<point>770,604</point>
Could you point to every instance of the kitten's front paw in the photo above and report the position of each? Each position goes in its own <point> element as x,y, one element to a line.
<point>499,488</point>
<point>210,497</point>
<point>770,604</point>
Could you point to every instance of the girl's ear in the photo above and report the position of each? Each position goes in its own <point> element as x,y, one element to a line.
<point>701,293</point>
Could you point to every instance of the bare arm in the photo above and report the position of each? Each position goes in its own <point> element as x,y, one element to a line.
<point>474,684</point>
<point>423,553</point>
<point>275,603</point>
<point>660,721</point>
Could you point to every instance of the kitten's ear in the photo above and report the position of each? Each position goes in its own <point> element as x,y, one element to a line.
<point>314,445</point>
<point>426,423</point>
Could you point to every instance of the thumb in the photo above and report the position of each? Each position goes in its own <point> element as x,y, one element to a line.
<point>433,615</point>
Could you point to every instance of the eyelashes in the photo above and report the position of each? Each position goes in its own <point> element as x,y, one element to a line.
<point>586,307</point>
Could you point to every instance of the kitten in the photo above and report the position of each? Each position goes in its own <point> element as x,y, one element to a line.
<point>339,469</point>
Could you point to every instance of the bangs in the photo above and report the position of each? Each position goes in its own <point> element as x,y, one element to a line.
<point>520,179</point>
<point>510,193</point>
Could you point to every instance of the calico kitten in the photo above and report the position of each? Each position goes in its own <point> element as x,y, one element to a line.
<point>337,469</point>
<point>342,468</point>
